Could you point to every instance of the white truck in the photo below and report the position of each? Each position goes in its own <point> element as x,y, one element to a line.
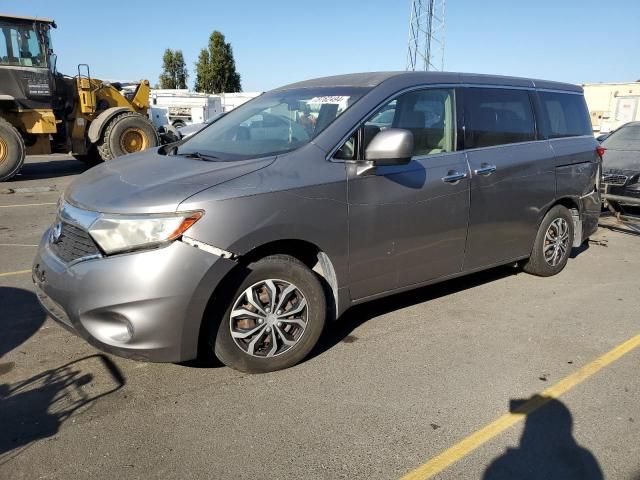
<point>233,100</point>
<point>182,107</point>
<point>611,105</point>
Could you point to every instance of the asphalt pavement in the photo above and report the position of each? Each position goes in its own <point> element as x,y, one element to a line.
<point>392,387</point>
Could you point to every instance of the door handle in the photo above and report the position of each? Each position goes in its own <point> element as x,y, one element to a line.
<point>454,177</point>
<point>485,170</point>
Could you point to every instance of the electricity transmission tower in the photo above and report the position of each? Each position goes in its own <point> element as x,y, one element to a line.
<point>426,35</point>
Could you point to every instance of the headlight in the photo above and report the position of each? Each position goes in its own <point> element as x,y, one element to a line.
<point>119,233</point>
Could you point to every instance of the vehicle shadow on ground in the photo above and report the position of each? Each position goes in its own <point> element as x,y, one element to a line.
<point>35,408</point>
<point>21,317</point>
<point>48,169</point>
<point>547,449</point>
<point>340,330</point>
<point>575,251</point>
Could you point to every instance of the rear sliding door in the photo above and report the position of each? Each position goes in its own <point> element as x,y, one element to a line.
<point>512,174</point>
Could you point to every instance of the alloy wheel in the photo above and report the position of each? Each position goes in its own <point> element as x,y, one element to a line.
<point>556,242</point>
<point>269,318</point>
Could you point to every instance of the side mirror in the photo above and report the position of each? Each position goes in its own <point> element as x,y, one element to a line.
<point>393,146</point>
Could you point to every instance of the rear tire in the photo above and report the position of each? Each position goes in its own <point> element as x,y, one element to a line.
<point>12,150</point>
<point>292,318</point>
<point>128,132</point>
<point>552,247</point>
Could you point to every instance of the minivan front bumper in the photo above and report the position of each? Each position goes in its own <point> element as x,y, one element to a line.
<point>146,305</point>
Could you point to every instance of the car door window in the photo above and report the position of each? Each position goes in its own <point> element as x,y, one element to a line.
<point>429,114</point>
<point>495,116</point>
<point>348,150</point>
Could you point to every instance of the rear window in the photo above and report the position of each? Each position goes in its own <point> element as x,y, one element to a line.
<point>626,138</point>
<point>497,117</point>
<point>566,114</point>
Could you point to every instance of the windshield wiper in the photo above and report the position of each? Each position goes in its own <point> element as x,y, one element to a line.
<point>197,155</point>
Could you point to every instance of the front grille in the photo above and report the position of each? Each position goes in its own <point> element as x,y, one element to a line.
<point>74,244</point>
<point>614,179</point>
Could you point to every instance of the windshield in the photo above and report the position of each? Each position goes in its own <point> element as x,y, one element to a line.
<point>20,45</point>
<point>626,138</point>
<point>273,123</point>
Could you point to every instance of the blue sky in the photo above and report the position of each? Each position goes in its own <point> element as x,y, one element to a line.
<point>278,42</point>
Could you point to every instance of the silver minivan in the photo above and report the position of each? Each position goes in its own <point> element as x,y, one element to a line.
<point>247,238</point>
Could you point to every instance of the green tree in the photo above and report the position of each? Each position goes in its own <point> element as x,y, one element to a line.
<point>203,69</point>
<point>216,68</point>
<point>174,70</point>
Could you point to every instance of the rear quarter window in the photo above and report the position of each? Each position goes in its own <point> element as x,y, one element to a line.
<point>566,114</point>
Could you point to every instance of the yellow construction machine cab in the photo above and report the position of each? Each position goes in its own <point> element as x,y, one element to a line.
<point>43,111</point>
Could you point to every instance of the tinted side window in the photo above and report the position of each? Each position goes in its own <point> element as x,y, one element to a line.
<point>566,114</point>
<point>429,114</point>
<point>497,117</point>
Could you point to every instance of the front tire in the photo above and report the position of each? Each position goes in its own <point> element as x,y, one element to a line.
<point>12,150</point>
<point>274,318</point>
<point>553,243</point>
<point>128,132</point>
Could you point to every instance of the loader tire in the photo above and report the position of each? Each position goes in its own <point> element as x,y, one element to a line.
<point>92,157</point>
<point>129,132</point>
<point>12,150</point>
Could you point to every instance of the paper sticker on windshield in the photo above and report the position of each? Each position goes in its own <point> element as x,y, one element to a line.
<point>328,99</point>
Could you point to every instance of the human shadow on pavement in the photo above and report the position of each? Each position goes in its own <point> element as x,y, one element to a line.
<point>547,448</point>
<point>21,316</point>
<point>341,329</point>
<point>35,408</point>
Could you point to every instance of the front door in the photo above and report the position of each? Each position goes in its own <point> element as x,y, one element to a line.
<point>408,223</point>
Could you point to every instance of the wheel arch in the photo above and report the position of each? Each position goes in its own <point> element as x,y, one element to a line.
<point>569,202</point>
<point>98,125</point>
<point>309,254</point>
<point>306,252</point>
<point>573,205</point>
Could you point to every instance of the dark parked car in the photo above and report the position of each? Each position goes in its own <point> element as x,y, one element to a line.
<point>621,161</point>
<point>245,239</point>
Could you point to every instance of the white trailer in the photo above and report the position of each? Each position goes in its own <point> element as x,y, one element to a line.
<point>233,100</point>
<point>181,107</point>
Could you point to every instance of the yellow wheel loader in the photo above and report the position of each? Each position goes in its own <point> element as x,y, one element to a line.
<point>43,111</point>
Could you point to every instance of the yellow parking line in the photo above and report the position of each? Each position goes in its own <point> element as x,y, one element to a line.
<point>27,205</point>
<point>19,272</point>
<point>482,436</point>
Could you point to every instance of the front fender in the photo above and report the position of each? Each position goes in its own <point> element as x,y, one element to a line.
<point>97,126</point>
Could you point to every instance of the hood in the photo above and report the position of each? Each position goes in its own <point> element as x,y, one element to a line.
<point>148,182</point>
<point>621,160</point>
